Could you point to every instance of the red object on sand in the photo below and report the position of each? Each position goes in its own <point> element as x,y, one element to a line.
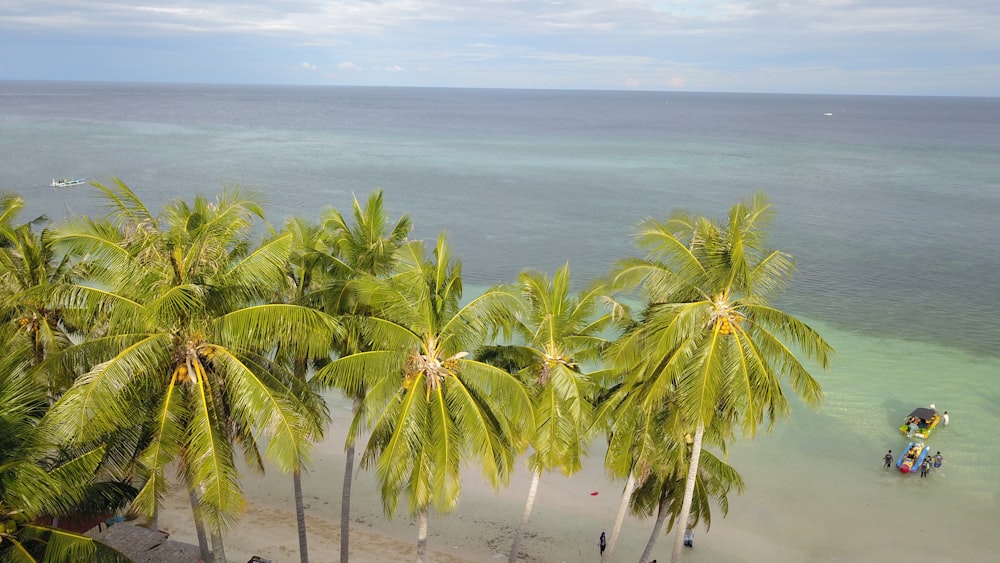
<point>593,494</point>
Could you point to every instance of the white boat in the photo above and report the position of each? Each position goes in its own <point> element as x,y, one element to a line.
<point>66,182</point>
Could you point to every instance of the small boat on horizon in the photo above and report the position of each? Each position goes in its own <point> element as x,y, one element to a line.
<point>66,182</point>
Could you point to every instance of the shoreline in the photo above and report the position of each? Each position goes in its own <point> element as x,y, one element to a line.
<point>816,487</point>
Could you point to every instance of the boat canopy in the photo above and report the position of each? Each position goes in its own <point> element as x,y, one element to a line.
<point>925,413</point>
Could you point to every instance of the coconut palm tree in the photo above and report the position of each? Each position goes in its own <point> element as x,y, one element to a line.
<point>662,488</point>
<point>188,334</point>
<point>633,427</point>
<point>366,250</point>
<point>709,333</point>
<point>430,406</point>
<point>555,333</point>
<point>28,268</point>
<point>39,482</point>
<point>309,265</point>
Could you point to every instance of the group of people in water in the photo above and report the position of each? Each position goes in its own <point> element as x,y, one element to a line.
<point>913,425</point>
<point>935,461</point>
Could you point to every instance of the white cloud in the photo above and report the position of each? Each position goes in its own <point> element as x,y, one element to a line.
<point>554,43</point>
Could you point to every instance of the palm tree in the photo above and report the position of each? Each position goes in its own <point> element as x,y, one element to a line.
<point>634,429</point>
<point>366,250</point>
<point>555,333</point>
<point>662,489</point>
<point>709,333</point>
<point>184,351</point>
<point>430,406</point>
<point>28,269</point>
<point>309,263</point>
<point>39,483</point>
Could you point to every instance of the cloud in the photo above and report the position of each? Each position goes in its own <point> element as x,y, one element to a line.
<point>305,66</point>
<point>516,43</point>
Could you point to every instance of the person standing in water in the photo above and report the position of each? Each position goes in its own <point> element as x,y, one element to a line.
<point>925,467</point>
<point>944,418</point>
<point>888,459</point>
<point>689,537</point>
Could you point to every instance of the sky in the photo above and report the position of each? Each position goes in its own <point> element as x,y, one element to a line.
<point>897,47</point>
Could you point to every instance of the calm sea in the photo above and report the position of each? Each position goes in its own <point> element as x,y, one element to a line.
<point>889,204</point>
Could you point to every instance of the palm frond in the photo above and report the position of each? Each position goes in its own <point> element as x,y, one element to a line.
<point>258,399</point>
<point>262,327</point>
<point>60,545</point>
<point>209,463</point>
<point>165,445</point>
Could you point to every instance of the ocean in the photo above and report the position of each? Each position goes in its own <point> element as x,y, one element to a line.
<point>889,205</point>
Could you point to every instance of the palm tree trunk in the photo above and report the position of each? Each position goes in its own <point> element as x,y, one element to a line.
<point>300,509</point>
<point>300,516</point>
<point>218,549</point>
<point>661,517</point>
<point>515,549</point>
<point>620,518</point>
<point>345,492</point>
<point>682,518</point>
<point>199,528</point>
<point>422,536</point>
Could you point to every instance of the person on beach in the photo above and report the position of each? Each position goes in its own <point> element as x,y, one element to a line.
<point>944,418</point>
<point>888,459</point>
<point>689,537</point>
<point>925,467</point>
<point>602,543</point>
<point>938,460</point>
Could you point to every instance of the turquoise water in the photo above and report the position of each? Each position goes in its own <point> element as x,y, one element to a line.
<point>889,205</point>
<point>817,484</point>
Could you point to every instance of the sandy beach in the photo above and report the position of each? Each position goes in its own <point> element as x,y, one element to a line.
<point>564,526</point>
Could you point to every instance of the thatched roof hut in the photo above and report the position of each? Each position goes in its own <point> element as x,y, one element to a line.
<point>143,545</point>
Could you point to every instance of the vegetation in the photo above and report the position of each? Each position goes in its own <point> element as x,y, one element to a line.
<point>555,333</point>
<point>431,407</point>
<point>710,343</point>
<point>183,358</point>
<point>140,343</point>
<point>365,250</point>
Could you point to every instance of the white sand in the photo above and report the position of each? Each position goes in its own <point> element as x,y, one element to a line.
<point>564,526</point>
